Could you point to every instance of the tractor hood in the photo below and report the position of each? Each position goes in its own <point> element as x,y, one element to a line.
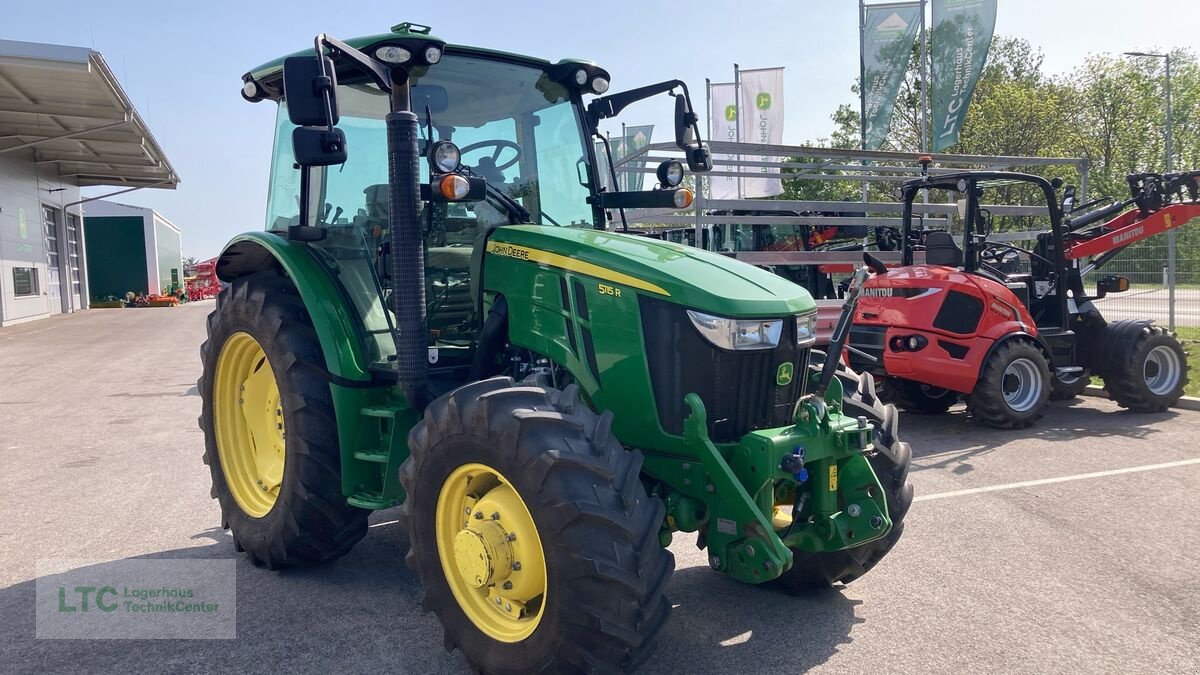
<point>681,274</point>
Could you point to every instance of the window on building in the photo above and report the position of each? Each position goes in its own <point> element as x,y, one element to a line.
<point>25,281</point>
<point>73,250</point>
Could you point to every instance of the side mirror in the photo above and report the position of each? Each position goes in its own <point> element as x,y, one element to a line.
<point>699,159</point>
<point>305,89</point>
<point>318,146</point>
<point>1111,284</point>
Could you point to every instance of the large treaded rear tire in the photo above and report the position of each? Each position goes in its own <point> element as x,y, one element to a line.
<point>891,461</point>
<point>916,397</point>
<point>988,404</point>
<point>1127,382</point>
<point>606,571</point>
<point>310,521</point>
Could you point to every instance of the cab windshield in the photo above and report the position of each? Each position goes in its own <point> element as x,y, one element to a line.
<point>516,127</point>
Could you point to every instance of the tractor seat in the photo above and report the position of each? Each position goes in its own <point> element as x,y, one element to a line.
<point>940,249</point>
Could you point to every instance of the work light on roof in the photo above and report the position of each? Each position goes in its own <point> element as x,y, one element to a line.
<point>432,55</point>
<point>393,54</point>
<point>599,85</point>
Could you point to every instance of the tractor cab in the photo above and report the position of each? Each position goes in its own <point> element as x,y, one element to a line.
<point>515,126</point>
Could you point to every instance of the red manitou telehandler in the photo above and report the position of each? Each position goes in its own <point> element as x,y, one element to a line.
<point>1009,328</point>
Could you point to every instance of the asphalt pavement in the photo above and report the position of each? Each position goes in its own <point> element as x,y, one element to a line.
<point>1071,547</point>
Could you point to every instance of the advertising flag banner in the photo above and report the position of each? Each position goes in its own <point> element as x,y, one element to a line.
<point>887,41</point>
<point>722,123</point>
<point>962,34</point>
<point>761,122</point>
<point>636,138</point>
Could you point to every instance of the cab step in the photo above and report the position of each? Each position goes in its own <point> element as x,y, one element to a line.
<point>376,456</point>
<point>370,499</point>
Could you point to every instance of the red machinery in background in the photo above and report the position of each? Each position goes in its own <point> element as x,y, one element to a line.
<point>203,283</point>
<point>972,323</point>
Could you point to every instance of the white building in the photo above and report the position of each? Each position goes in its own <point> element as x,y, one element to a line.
<point>65,123</point>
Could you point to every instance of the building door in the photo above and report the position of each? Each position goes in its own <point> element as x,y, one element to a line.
<point>54,303</point>
<point>73,260</point>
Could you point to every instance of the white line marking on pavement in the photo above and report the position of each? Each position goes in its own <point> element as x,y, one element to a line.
<point>1060,479</point>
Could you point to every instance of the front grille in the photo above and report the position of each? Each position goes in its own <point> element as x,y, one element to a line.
<point>739,388</point>
<point>870,340</point>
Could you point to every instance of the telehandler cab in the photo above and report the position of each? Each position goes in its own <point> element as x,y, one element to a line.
<point>1010,328</point>
<point>436,318</point>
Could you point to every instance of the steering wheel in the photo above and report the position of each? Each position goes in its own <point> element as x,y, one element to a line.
<point>999,255</point>
<point>499,144</point>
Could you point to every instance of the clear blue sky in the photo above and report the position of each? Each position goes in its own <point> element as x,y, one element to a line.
<point>180,62</point>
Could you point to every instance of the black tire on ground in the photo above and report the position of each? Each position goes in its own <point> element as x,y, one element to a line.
<point>310,521</point>
<point>606,571</point>
<point>1013,386</point>
<point>1074,385</point>
<point>1151,375</point>
<point>916,397</point>
<point>890,460</point>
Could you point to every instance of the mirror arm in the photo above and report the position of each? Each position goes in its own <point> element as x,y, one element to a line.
<point>611,106</point>
<point>381,76</point>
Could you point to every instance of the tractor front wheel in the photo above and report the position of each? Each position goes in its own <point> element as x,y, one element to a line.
<point>1151,375</point>
<point>269,433</point>
<point>1013,386</point>
<point>532,533</point>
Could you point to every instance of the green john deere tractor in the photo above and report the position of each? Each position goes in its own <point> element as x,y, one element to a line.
<point>437,318</point>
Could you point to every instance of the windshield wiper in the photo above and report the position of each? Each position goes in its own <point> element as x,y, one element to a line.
<point>514,208</point>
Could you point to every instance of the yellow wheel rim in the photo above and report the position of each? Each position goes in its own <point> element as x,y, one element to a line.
<point>491,553</point>
<point>248,417</point>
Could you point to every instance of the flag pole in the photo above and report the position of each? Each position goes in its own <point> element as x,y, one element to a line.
<point>862,84</point>
<point>737,114</point>
<point>924,85</point>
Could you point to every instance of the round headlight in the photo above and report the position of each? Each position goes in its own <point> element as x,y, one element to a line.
<point>581,77</point>
<point>599,85</point>
<point>683,198</point>
<point>962,184</point>
<point>670,173</point>
<point>445,157</point>
<point>393,54</point>
<point>249,90</point>
<point>454,187</point>
<point>432,55</point>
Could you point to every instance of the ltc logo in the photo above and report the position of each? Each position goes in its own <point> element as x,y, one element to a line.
<point>730,113</point>
<point>783,375</point>
<point>762,101</point>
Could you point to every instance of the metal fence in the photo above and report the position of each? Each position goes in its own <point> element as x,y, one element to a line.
<point>710,221</point>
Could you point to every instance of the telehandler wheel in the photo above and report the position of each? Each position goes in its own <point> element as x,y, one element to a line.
<point>916,397</point>
<point>270,439</point>
<point>890,461</point>
<point>532,533</point>
<point>1065,388</point>
<point>1013,386</point>
<point>1152,373</point>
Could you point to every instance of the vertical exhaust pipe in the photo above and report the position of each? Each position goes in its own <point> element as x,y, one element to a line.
<point>407,247</point>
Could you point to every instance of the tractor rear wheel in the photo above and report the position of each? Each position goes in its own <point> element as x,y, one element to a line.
<point>1151,375</point>
<point>270,440</point>
<point>1013,386</point>
<point>890,460</point>
<point>917,397</point>
<point>532,533</point>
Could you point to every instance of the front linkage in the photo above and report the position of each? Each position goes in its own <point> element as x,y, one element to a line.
<point>819,466</point>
